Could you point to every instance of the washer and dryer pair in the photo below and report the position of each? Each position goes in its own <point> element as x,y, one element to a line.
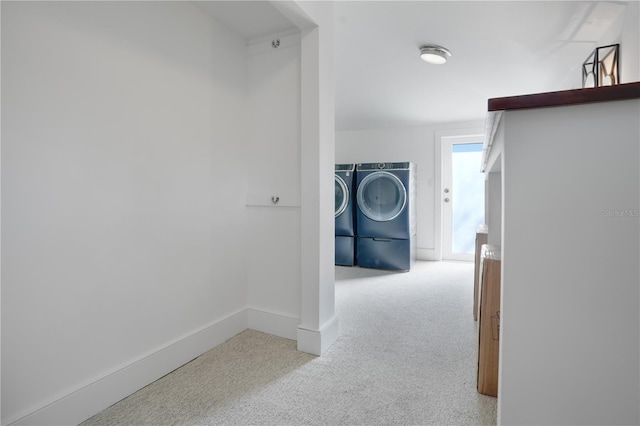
<point>383,217</point>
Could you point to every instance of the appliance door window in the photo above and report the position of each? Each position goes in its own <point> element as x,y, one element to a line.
<point>342,196</point>
<point>381,196</point>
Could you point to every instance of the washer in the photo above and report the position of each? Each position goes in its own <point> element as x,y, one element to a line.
<point>345,214</point>
<point>385,215</point>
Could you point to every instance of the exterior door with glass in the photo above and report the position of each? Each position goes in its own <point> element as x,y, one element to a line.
<point>462,196</point>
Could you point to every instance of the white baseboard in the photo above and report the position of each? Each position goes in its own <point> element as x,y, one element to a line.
<point>276,324</point>
<point>95,396</point>
<point>315,342</point>
<point>428,254</point>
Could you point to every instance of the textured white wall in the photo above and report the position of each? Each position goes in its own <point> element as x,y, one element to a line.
<point>570,292</point>
<point>122,154</point>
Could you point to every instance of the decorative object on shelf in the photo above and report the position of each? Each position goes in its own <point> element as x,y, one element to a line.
<point>434,54</point>
<point>601,67</point>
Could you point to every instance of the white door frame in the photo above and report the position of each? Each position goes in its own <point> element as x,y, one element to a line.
<point>442,137</point>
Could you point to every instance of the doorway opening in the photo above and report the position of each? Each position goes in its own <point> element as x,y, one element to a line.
<point>462,195</point>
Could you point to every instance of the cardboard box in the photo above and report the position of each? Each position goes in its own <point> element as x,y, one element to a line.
<point>481,239</point>
<point>489,321</point>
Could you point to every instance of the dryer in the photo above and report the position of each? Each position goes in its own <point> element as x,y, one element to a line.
<point>344,180</point>
<point>385,215</point>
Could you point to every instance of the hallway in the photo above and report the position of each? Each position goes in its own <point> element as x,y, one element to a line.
<point>406,355</point>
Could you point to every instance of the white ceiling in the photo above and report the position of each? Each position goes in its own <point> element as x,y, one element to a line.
<point>249,19</point>
<point>500,48</point>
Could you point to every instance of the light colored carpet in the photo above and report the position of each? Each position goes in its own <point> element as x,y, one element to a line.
<point>406,355</point>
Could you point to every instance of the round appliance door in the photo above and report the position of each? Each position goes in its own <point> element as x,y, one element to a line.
<point>342,195</point>
<point>381,196</point>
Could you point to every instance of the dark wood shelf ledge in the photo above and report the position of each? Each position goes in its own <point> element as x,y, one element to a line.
<point>567,97</point>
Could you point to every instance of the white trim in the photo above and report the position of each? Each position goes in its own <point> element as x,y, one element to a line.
<point>441,138</point>
<point>317,160</point>
<point>272,323</point>
<point>491,126</point>
<point>437,199</point>
<point>316,342</point>
<point>427,254</point>
<point>112,386</point>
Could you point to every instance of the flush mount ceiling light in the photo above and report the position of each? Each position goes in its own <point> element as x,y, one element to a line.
<point>434,54</point>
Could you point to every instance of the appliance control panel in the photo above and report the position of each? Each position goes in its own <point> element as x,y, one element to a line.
<point>345,167</point>
<point>383,166</point>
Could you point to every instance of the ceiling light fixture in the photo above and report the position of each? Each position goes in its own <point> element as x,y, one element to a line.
<point>434,54</point>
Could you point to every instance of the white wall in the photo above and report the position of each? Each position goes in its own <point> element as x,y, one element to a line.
<point>415,144</point>
<point>291,141</point>
<point>318,328</point>
<point>625,31</point>
<point>570,328</point>
<point>123,197</point>
<point>273,249</point>
<point>630,44</point>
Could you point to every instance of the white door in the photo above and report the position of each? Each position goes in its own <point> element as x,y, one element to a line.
<point>462,196</point>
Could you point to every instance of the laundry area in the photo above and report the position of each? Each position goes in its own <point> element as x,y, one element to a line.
<point>376,217</point>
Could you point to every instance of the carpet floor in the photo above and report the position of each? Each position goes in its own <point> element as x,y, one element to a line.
<point>406,355</point>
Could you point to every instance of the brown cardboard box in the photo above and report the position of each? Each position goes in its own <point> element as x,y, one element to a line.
<point>481,239</point>
<point>489,321</point>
